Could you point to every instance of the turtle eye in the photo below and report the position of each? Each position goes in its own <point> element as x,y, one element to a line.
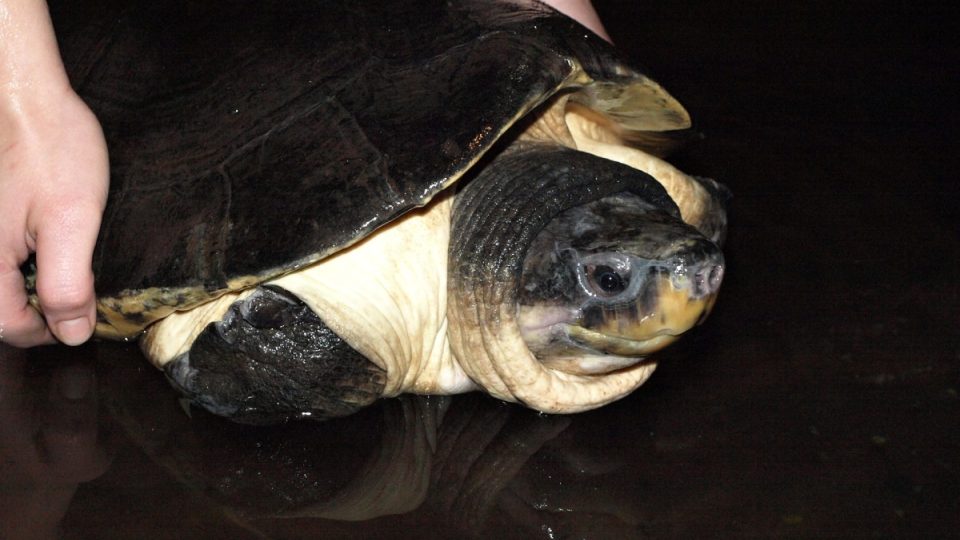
<point>606,281</point>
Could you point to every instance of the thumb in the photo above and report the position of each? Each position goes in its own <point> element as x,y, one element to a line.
<point>65,240</point>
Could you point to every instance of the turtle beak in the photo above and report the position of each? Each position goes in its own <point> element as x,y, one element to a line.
<point>671,302</point>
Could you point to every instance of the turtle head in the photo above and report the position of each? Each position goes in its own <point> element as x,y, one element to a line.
<point>567,269</point>
<point>609,282</point>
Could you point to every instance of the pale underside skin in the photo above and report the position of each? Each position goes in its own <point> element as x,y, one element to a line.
<point>175,334</point>
<point>386,296</point>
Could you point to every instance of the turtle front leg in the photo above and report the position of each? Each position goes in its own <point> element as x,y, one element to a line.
<point>271,358</point>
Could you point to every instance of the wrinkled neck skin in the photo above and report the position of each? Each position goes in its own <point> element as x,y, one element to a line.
<point>571,120</point>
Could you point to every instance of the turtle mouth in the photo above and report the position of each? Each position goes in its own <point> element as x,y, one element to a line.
<point>606,338</point>
<point>619,346</point>
<point>644,326</point>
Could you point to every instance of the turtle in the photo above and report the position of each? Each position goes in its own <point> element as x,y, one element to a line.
<point>320,203</point>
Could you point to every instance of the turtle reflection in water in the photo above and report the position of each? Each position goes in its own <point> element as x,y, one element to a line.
<point>317,204</point>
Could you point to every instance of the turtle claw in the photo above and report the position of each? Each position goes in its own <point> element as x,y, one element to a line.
<point>185,406</point>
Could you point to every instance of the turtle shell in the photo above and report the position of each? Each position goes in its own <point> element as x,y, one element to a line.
<point>250,139</point>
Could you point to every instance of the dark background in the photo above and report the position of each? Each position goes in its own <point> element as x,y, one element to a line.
<point>825,394</point>
<point>820,400</point>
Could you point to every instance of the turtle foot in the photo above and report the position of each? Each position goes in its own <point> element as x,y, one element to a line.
<point>272,359</point>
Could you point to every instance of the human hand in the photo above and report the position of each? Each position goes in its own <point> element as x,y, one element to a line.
<point>581,11</point>
<point>53,188</point>
<point>53,184</point>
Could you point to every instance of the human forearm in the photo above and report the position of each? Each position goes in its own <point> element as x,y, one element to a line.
<point>31,72</point>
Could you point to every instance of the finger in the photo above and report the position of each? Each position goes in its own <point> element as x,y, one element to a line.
<point>65,245</point>
<point>20,324</point>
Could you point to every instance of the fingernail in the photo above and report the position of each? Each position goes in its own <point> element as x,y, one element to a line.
<point>74,331</point>
<point>74,383</point>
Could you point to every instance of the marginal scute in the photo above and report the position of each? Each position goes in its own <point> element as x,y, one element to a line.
<point>638,105</point>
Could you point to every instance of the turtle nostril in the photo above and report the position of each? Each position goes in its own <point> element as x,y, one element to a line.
<point>715,277</point>
<point>707,279</point>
